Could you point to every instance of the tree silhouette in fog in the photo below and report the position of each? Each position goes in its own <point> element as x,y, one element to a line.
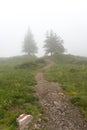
<point>29,44</point>
<point>53,44</point>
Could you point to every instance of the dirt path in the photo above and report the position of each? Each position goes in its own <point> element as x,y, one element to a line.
<point>59,114</point>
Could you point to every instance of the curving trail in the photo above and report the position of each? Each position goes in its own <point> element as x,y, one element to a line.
<point>59,114</point>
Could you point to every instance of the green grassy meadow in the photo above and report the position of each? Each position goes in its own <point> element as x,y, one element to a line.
<point>17,91</point>
<point>17,85</point>
<point>71,73</point>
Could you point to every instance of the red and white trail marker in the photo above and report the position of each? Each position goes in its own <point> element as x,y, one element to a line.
<point>24,120</point>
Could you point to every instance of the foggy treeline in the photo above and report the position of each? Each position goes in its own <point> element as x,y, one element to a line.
<point>53,44</point>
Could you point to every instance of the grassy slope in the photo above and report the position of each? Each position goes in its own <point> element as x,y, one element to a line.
<point>17,93</point>
<point>71,72</point>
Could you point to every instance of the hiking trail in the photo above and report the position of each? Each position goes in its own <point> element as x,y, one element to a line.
<point>60,113</point>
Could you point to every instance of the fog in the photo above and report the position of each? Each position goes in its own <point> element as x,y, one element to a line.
<point>68,18</point>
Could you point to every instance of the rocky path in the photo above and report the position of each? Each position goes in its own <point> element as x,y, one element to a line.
<point>59,114</point>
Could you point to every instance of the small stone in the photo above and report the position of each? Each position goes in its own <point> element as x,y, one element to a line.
<point>55,103</point>
<point>36,126</point>
<point>39,120</point>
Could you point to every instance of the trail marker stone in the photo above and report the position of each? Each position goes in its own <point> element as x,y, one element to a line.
<point>24,121</point>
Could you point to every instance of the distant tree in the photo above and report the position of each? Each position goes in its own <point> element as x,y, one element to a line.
<point>54,44</point>
<point>29,46</point>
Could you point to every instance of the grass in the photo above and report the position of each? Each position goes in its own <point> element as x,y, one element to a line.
<point>17,91</point>
<point>73,79</point>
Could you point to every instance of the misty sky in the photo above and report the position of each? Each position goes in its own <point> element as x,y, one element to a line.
<point>68,18</point>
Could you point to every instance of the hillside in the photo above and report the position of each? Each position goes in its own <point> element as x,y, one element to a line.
<point>24,89</point>
<point>71,72</point>
<point>59,113</point>
<point>17,90</point>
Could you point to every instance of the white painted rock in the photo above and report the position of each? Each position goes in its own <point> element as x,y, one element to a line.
<point>24,120</point>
